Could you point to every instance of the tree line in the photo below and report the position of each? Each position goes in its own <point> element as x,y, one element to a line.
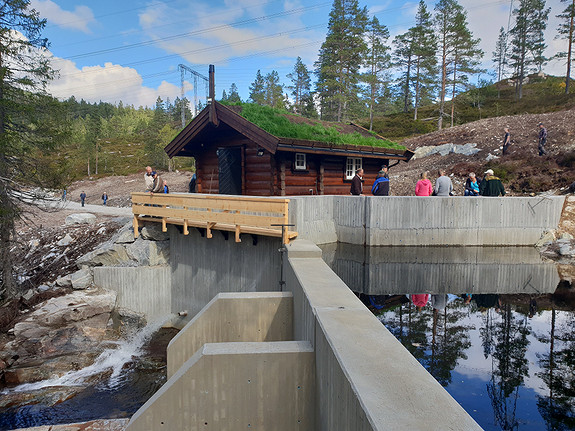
<point>361,73</point>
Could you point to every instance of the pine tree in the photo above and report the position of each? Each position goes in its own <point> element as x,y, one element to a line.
<point>566,31</point>
<point>24,129</point>
<point>404,59</point>
<point>257,89</point>
<point>465,59</point>
<point>527,40</point>
<point>446,12</point>
<point>340,59</point>
<point>424,51</point>
<point>376,62</point>
<point>301,86</point>
<point>500,56</point>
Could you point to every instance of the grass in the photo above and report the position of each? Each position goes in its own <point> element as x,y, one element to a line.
<point>277,123</point>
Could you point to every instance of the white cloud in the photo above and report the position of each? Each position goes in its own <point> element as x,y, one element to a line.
<point>216,35</point>
<point>109,83</point>
<point>79,19</point>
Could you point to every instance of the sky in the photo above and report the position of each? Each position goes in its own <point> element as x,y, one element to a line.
<point>129,50</point>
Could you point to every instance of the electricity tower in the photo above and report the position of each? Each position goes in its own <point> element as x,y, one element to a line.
<point>183,69</point>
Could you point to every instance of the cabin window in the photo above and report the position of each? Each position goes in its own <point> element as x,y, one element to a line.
<point>352,165</point>
<point>300,162</point>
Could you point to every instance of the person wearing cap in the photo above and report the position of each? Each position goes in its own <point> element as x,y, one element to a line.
<point>491,185</point>
<point>542,139</point>
<point>381,185</point>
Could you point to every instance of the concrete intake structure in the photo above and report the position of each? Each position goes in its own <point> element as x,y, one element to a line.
<point>311,358</point>
<point>415,220</point>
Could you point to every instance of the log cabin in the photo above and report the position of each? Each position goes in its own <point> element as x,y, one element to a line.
<point>236,156</point>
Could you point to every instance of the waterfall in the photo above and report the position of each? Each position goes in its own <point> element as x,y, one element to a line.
<point>111,359</point>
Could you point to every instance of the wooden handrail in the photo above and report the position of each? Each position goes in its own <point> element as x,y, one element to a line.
<point>240,214</point>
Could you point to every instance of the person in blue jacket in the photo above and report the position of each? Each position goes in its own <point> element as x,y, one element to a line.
<point>381,185</point>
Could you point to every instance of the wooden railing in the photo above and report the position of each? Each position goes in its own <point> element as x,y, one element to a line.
<point>239,214</point>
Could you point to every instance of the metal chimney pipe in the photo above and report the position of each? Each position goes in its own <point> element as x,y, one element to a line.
<point>211,76</point>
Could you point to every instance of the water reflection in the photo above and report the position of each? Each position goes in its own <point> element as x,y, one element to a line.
<point>489,324</point>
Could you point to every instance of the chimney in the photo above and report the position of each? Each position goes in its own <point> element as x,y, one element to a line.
<point>212,83</point>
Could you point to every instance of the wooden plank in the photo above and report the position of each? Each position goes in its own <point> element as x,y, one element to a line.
<point>238,230</point>
<point>135,225</point>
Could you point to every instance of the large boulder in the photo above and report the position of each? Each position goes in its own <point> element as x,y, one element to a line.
<point>153,232</point>
<point>149,253</point>
<point>80,218</point>
<point>81,279</point>
<point>108,254</point>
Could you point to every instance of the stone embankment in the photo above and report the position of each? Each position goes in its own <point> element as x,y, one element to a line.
<point>67,333</point>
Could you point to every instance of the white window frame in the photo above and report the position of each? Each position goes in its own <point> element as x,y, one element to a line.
<point>300,162</point>
<point>352,164</point>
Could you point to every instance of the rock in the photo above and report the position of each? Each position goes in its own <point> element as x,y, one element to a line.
<point>108,254</point>
<point>149,253</point>
<point>567,249</point>
<point>490,157</point>
<point>547,237</point>
<point>28,294</point>
<point>67,240</point>
<point>81,279</point>
<point>125,237</point>
<point>153,232</point>
<point>80,218</point>
<point>43,288</point>
<point>64,281</point>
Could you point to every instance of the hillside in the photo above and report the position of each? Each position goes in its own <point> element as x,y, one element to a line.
<point>523,172</point>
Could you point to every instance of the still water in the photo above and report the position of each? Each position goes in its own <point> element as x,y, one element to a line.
<point>494,326</point>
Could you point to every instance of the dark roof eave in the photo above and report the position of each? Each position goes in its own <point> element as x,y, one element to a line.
<point>316,147</point>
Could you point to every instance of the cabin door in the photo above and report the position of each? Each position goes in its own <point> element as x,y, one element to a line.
<point>230,171</point>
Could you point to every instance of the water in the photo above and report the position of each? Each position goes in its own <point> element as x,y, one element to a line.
<point>120,381</point>
<point>494,328</point>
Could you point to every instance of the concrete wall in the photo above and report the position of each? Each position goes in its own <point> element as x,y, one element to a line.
<point>234,317</point>
<point>236,386</point>
<point>400,270</point>
<point>202,267</point>
<point>412,220</point>
<point>144,289</point>
<point>365,378</point>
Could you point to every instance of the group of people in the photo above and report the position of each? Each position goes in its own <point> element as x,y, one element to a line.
<point>154,182</point>
<point>83,198</point>
<point>490,185</point>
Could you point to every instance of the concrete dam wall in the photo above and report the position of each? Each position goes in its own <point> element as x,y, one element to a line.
<point>413,220</point>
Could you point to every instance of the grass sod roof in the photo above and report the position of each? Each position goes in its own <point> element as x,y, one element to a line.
<point>283,124</point>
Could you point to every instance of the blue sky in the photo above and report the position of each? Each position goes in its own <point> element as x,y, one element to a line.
<point>129,50</point>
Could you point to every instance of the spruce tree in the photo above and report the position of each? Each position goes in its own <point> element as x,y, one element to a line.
<point>234,95</point>
<point>24,129</point>
<point>257,89</point>
<point>566,31</point>
<point>301,86</point>
<point>273,91</point>
<point>527,40</point>
<point>377,62</point>
<point>340,59</point>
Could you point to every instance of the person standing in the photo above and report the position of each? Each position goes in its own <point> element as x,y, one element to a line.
<point>357,183</point>
<point>423,186</point>
<point>506,140</point>
<point>83,197</point>
<point>542,139</point>
<point>166,188</point>
<point>443,185</point>
<point>105,198</point>
<point>491,185</point>
<point>64,195</point>
<point>381,185</point>
<point>471,185</point>
<point>149,178</point>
